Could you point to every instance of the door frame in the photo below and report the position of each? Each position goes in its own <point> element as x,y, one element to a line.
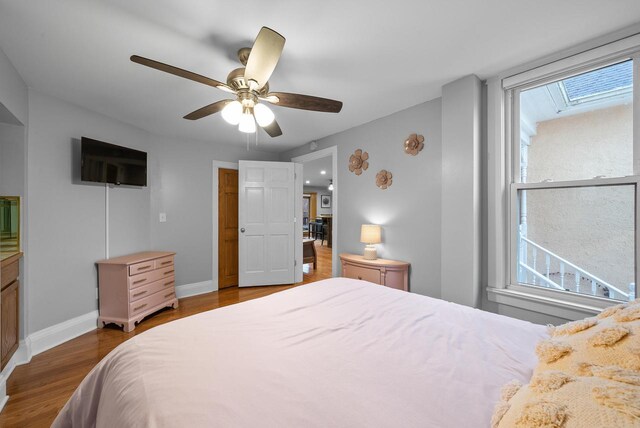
<point>333,152</point>
<point>214,216</point>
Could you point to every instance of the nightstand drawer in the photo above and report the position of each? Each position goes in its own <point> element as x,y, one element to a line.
<point>390,273</point>
<point>363,273</point>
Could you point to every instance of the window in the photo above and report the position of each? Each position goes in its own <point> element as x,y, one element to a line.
<point>573,185</point>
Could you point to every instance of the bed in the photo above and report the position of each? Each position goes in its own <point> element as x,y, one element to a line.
<point>335,353</point>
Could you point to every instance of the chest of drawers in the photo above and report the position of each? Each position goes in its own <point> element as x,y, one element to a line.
<point>134,286</point>
<point>390,273</point>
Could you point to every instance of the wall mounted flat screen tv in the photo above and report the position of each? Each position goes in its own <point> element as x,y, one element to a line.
<point>107,163</point>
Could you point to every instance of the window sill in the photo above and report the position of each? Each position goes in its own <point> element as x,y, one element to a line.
<point>547,304</point>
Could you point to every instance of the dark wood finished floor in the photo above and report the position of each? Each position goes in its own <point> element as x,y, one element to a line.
<point>38,390</point>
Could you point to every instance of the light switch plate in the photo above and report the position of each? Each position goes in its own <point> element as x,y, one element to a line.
<point>163,217</point>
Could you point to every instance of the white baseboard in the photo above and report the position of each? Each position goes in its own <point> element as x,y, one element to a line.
<point>57,334</point>
<point>188,290</point>
<point>4,398</point>
<point>22,356</point>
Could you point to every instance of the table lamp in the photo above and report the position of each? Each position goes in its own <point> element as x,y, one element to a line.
<point>370,235</point>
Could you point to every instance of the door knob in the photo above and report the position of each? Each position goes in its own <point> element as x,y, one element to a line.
<point>242,230</point>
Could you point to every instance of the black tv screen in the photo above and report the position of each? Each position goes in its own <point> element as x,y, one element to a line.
<point>107,163</point>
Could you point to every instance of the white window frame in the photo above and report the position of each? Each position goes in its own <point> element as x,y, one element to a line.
<point>504,179</point>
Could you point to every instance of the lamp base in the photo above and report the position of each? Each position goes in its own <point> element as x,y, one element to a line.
<point>370,252</point>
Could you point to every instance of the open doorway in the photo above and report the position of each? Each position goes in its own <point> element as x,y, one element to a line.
<point>255,237</point>
<point>319,212</point>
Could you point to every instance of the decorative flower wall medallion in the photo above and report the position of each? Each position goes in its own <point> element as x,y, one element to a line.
<point>384,179</point>
<point>358,162</point>
<point>414,144</point>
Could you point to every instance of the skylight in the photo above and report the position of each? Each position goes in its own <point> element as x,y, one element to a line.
<point>600,84</point>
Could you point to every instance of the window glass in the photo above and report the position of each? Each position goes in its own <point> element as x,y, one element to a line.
<point>579,127</point>
<point>578,239</point>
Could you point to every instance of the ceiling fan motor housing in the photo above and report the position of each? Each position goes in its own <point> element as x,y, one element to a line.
<point>236,80</point>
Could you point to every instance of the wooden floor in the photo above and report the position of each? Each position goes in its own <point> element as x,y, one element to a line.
<point>38,390</point>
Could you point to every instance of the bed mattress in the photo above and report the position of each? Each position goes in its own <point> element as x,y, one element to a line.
<point>335,353</point>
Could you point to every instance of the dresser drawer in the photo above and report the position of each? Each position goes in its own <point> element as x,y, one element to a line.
<point>164,262</point>
<point>363,273</point>
<point>139,268</point>
<point>149,277</point>
<point>150,302</point>
<point>9,273</point>
<point>149,289</point>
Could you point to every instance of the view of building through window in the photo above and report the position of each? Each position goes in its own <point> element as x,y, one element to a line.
<point>579,239</point>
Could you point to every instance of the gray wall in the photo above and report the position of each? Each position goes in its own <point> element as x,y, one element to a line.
<point>12,159</point>
<point>461,216</point>
<point>182,189</point>
<point>409,210</point>
<point>320,191</point>
<point>13,92</point>
<point>67,219</point>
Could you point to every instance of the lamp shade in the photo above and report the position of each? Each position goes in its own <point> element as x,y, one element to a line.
<point>370,234</point>
<point>264,115</point>
<point>232,112</point>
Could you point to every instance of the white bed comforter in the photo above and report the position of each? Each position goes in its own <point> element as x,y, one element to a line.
<point>335,353</point>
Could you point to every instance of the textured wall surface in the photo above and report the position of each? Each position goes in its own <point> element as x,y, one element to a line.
<point>593,227</point>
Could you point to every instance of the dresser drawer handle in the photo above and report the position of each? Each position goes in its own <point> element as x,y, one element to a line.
<point>140,280</point>
<point>144,267</point>
<point>169,271</point>
<point>140,293</point>
<point>168,283</point>
<point>140,307</point>
<point>168,295</point>
<point>166,263</point>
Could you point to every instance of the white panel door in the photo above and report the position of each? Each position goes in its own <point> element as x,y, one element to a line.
<point>266,218</point>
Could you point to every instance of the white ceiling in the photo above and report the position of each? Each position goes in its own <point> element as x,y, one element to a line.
<point>312,172</point>
<point>377,57</point>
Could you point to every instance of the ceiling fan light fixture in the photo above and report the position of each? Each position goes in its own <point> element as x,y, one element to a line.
<point>264,115</point>
<point>330,188</point>
<point>247,123</point>
<point>232,112</point>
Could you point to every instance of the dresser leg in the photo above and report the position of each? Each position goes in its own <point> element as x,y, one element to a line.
<point>129,326</point>
<point>175,304</point>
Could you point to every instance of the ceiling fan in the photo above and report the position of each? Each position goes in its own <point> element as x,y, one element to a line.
<point>250,85</point>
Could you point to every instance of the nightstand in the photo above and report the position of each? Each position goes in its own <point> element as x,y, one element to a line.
<point>390,273</point>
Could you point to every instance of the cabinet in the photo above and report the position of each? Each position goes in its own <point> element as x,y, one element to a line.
<point>134,286</point>
<point>9,307</point>
<point>390,273</point>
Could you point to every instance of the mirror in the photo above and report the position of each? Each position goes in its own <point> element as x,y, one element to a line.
<point>9,225</point>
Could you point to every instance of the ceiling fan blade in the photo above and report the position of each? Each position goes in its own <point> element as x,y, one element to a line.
<point>180,72</point>
<point>304,102</point>
<point>264,57</point>
<point>273,129</point>
<point>207,110</point>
